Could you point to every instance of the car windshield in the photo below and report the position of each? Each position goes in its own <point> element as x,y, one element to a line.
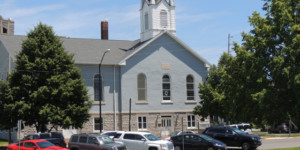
<point>238,131</point>
<point>174,133</point>
<point>44,144</point>
<point>207,138</point>
<point>151,137</point>
<point>105,140</point>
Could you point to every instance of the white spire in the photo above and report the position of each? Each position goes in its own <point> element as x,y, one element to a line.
<point>172,3</point>
<point>156,17</point>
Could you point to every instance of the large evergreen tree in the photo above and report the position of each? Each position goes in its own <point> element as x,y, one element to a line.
<point>46,85</point>
<point>262,82</point>
<point>7,121</point>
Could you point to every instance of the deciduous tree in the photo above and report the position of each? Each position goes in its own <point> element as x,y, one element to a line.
<point>47,87</point>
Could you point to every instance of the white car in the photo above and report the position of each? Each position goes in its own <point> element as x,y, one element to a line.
<point>143,141</point>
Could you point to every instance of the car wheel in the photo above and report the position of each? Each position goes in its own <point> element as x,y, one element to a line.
<point>279,131</point>
<point>246,146</point>
<point>177,148</point>
<point>210,148</point>
<point>152,148</point>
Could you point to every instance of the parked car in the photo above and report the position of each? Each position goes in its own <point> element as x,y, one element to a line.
<point>234,137</point>
<point>178,133</point>
<point>281,128</point>
<point>94,142</point>
<point>54,137</point>
<point>196,142</point>
<point>34,145</point>
<point>143,141</point>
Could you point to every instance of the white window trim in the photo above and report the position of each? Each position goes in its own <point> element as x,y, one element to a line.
<point>142,129</point>
<point>191,116</point>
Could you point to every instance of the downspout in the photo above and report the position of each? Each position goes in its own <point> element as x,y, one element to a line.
<point>114,99</point>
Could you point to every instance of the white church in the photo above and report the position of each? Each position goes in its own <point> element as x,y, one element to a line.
<point>158,72</point>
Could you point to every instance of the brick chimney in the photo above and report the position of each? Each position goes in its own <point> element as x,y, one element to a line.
<point>104,30</point>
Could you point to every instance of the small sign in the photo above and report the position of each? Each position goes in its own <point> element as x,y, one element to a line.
<point>166,66</point>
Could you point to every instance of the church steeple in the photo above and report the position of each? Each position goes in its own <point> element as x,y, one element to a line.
<point>157,16</point>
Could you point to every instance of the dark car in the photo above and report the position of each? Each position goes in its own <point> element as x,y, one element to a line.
<point>54,137</point>
<point>234,137</point>
<point>281,128</point>
<point>94,142</point>
<point>196,142</point>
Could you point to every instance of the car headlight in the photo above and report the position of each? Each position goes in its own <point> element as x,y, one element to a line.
<point>163,145</point>
<point>218,145</point>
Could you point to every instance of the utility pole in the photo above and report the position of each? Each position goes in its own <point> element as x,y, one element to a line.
<point>228,43</point>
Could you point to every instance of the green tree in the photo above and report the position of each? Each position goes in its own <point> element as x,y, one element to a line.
<point>7,121</point>
<point>262,82</point>
<point>46,85</point>
<point>274,41</point>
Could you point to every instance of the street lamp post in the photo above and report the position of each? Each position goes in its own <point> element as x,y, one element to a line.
<point>100,90</point>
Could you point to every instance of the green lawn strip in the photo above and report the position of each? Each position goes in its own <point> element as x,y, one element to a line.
<point>267,135</point>
<point>294,148</point>
<point>3,143</point>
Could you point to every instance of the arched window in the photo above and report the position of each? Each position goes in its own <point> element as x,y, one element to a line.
<point>142,87</point>
<point>163,19</point>
<point>97,85</point>
<point>146,21</point>
<point>190,88</point>
<point>166,86</point>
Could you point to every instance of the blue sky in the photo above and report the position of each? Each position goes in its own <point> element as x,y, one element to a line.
<point>203,25</point>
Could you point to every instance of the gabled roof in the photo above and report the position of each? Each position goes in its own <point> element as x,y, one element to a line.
<point>207,64</point>
<point>86,51</point>
<point>90,51</point>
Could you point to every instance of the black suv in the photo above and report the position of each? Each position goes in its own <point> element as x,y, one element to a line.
<point>234,137</point>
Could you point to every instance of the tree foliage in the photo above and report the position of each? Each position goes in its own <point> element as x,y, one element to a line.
<point>262,82</point>
<point>6,98</point>
<point>46,85</point>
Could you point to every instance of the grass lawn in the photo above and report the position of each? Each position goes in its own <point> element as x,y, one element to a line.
<point>295,148</point>
<point>266,135</point>
<point>3,143</point>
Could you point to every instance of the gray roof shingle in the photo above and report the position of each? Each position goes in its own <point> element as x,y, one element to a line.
<point>86,51</point>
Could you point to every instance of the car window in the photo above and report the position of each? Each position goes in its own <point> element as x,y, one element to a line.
<point>93,140</point>
<point>110,133</point>
<point>139,137</point>
<point>195,138</point>
<point>83,139</point>
<point>212,131</point>
<point>29,144</point>
<point>44,144</point>
<point>74,138</point>
<point>45,136</point>
<point>229,132</point>
<point>117,135</point>
<point>151,137</point>
<point>105,140</point>
<point>56,135</point>
<point>35,137</point>
<point>129,136</point>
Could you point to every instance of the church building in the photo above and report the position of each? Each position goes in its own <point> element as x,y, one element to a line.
<point>150,84</point>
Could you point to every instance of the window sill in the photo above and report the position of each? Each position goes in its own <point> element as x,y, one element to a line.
<point>97,102</point>
<point>166,102</point>
<point>191,102</point>
<point>142,102</point>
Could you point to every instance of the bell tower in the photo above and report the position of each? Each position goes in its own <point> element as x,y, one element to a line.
<point>157,16</point>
